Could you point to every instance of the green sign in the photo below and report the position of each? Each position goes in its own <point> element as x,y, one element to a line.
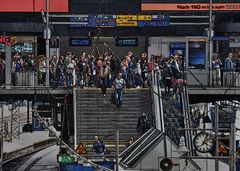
<point>65,159</point>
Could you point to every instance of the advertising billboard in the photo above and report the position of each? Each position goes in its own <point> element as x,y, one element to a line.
<point>196,53</point>
<point>33,5</point>
<point>189,6</point>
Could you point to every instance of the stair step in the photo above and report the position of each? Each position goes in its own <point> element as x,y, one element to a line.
<point>96,115</point>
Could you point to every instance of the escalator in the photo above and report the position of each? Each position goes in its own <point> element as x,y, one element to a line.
<point>140,148</point>
<point>173,119</point>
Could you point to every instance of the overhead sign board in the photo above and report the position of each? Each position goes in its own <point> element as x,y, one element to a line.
<point>81,20</point>
<point>33,5</point>
<point>127,23</point>
<point>108,20</point>
<point>127,17</point>
<point>127,20</point>
<point>189,6</point>
<point>145,17</point>
<point>153,20</point>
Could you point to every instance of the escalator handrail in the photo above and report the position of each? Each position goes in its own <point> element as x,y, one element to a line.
<point>141,142</point>
<point>161,135</point>
<point>137,141</point>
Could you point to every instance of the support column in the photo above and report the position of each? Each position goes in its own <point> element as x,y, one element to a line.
<point>216,137</point>
<point>8,68</point>
<point>232,147</point>
<point>75,117</point>
<point>117,150</point>
<point>1,139</point>
<point>47,37</point>
<point>210,35</point>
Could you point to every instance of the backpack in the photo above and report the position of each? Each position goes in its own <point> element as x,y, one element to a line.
<point>18,67</point>
<point>238,64</point>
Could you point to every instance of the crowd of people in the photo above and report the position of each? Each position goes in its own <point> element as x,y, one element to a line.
<point>82,70</point>
<point>88,70</point>
<point>223,70</point>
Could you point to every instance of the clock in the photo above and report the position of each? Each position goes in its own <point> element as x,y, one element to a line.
<point>203,142</point>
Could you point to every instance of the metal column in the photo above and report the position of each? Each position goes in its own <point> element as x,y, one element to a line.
<point>75,117</point>
<point>117,150</point>
<point>8,68</point>
<point>1,141</point>
<point>216,137</point>
<point>210,46</point>
<point>233,147</point>
<point>47,37</point>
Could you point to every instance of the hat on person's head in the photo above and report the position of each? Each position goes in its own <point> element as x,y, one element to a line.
<point>230,55</point>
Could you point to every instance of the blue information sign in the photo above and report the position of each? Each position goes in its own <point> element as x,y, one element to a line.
<point>37,125</point>
<point>104,20</point>
<point>82,21</point>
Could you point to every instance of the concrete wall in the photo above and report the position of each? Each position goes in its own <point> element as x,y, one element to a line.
<point>120,51</point>
<point>160,45</point>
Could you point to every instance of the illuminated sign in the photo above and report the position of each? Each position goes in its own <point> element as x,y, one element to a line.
<point>190,7</point>
<point>153,20</point>
<point>127,23</point>
<point>127,17</point>
<point>144,17</point>
<point>65,159</point>
<point>127,20</point>
<point>33,5</point>
<point>82,21</point>
<point>80,42</point>
<point>126,41</point>
<point>197,53</point>
<point>106,20</point>
<point>7,40</point>
<point>103,20</point>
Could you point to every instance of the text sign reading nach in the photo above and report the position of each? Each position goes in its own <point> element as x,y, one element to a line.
<point>7,40</point>
<point>190,7</point>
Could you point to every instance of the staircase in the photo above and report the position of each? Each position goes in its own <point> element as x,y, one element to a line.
<point>97,116</point>
<point>172,118</point>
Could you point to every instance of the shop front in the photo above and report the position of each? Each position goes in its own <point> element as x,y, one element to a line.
<point>24,45</point>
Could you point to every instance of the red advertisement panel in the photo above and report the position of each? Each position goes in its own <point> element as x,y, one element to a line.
<point>33,5</point>
<point>189,7</point>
